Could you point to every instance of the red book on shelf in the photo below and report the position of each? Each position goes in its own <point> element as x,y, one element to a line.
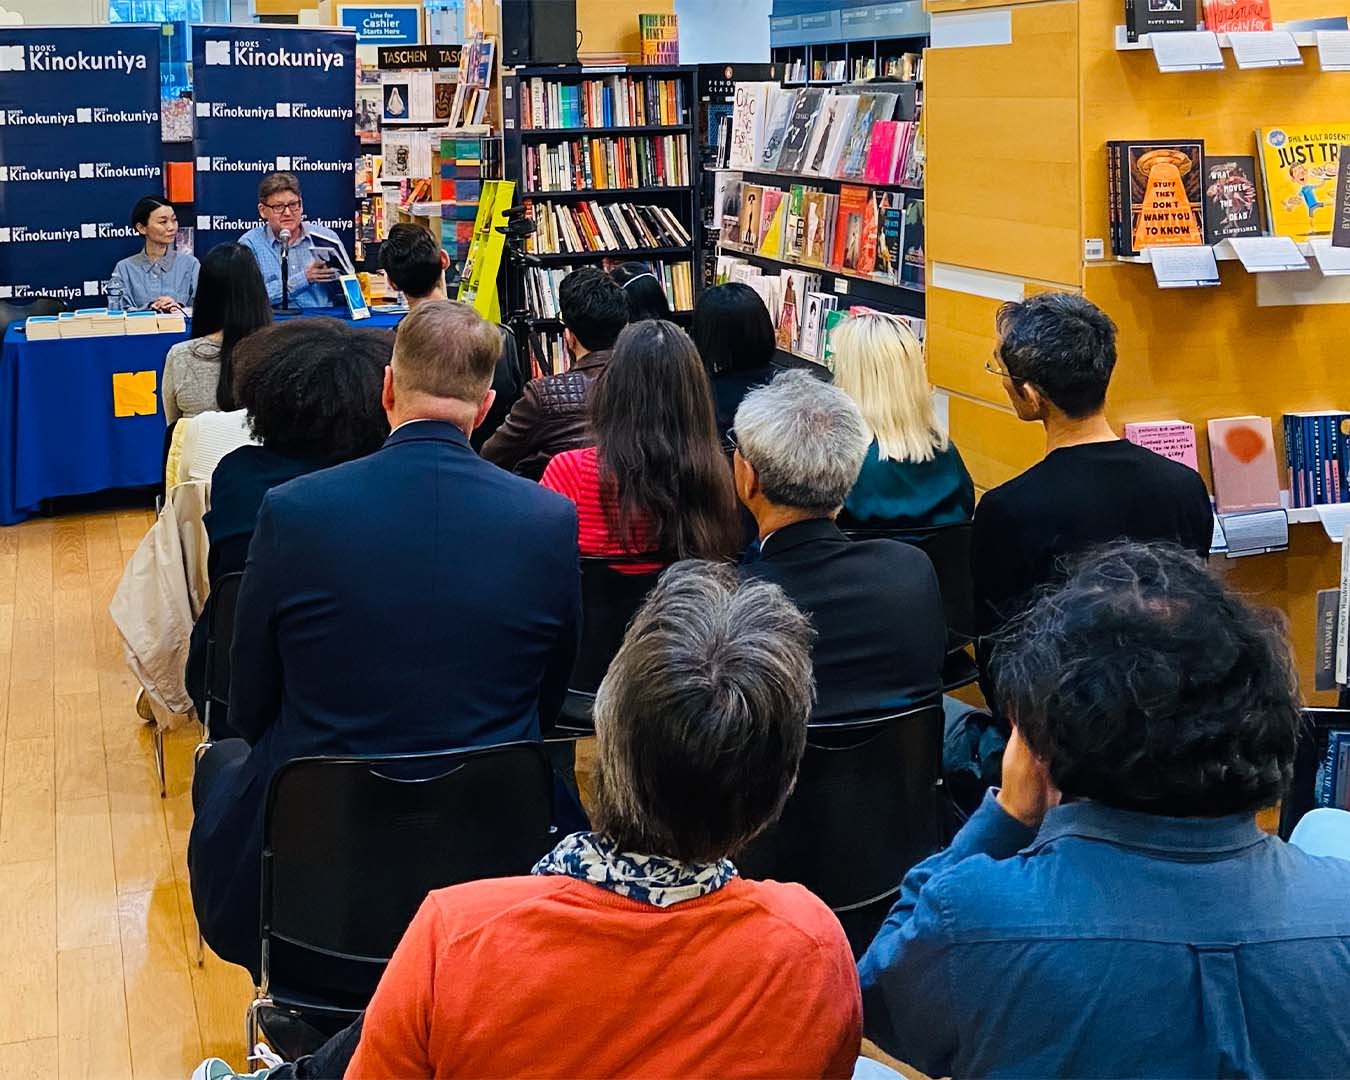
<point>1242,456</point>
<point>881,154</point>
<point>1225,16</point>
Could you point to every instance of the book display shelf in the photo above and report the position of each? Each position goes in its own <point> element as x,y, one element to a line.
<point>1261,344</point>
<point>605,165</point>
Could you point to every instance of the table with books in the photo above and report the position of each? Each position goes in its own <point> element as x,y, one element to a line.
<point>80,404</point>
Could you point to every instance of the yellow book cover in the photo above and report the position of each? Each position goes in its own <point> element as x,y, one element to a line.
<point>771,242</point>
<point>1298,172</point>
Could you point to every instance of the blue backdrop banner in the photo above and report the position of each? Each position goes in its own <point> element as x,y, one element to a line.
<point>79,144</point>
<point>273,98</point>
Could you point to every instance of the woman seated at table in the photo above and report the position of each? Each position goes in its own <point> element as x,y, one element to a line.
<point>231,303</point>
<point>655,482</point>
<point>157,277</point>
<point>913,476</point>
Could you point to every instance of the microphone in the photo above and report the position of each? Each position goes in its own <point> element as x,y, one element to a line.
<point>285,237</point>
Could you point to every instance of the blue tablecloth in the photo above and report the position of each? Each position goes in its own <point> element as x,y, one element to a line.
<point>60,435</point>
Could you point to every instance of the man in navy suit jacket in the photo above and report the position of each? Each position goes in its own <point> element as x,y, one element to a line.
<point>417,599</point>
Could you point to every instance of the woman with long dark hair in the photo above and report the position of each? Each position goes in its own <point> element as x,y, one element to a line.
<point>645,293</point>
<point>231,303</point>
<point>734,334</point>
<point>656,481</point>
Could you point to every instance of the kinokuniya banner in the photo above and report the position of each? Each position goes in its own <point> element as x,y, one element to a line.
<point>79,145</point>
<point>273,99</point>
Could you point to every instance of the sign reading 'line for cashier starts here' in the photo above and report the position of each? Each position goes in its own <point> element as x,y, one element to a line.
<point>384,24</point>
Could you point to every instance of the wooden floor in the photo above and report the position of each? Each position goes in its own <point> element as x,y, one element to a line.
<point>98,976</point>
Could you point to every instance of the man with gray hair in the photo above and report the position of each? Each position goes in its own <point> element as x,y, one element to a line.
<point>875,604</point>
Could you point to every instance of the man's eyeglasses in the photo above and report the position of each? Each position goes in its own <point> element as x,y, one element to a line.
<point>730,445</point>
<point>992,366</point>
<point>284,208</point>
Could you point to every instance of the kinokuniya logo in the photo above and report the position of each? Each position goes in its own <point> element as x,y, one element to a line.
<point>219,111</point>
<point>53,58</point>
<point>223,164</point>
<point>256,54</point>
<point>336,224</point>
<point>308,164</point>
<point>22,234</point>
<point>85,170</point>
<point>298,110</point>
<point>61,292</point>
<point>106,230</point>
<point>223,223</point>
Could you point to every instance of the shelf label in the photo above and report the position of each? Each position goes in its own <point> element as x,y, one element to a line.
<point>1264,48</point>
<point>1268,254</point>
<point>1185,267</point>
<point>840,285</point>
<point>1333,49</point>
<point>1094,249</point>
<point>1187,50</point>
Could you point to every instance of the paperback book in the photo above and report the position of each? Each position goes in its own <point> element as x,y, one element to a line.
<point>1226,16</point>
<point>1172,439</point>
<point>1298,175</point>
<point>801,122</point>
<point>848,236</point>
<point>912,249</point>
<point>1155,193</point>
<point>1160,16</point>
<point>778,112</point>
<point>1231,198</point>
<point>1242,459</point>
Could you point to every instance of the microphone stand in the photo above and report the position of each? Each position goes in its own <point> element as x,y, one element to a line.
<point>285,308</point>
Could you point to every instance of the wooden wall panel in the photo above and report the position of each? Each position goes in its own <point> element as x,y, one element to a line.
<point>994,444</point>
<point>1002,128</point>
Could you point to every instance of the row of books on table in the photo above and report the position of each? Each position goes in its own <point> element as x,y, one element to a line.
<point>804,317</point>
<point>815,133</point>
<point>543,282</point>
<point>1243,460</point>
<point>614,101</point>
<point>608,162</point>
<point>863,232</point>
<point>589,225</point>
<point>100,322</point>
<point>1172,192</point>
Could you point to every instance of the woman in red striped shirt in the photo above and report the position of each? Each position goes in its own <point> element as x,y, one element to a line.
<point>655,482</point>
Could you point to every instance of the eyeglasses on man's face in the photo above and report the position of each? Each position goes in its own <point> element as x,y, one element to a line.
<point>282,209</point>
<point>995,367</point>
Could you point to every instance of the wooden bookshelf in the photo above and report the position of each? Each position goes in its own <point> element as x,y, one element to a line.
<point>1040,109</point>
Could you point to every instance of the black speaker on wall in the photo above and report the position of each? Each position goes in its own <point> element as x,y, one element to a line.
<point>539,32</point>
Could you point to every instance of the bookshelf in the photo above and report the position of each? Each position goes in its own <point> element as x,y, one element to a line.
<point>622,134</point>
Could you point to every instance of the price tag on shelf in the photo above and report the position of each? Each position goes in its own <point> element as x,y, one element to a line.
<point>1187,50</point>
<point>1332,261</point>
<point>1264,48</point>
<point>1267,254</point>
<point>841,285</point>
<point>1333,49</point>
<point>1184,267</point>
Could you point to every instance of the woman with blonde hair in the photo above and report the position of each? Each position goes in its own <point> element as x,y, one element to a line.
<point>913,477</point>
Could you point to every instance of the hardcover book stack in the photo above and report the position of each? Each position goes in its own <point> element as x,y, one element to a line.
<point>592,226</point>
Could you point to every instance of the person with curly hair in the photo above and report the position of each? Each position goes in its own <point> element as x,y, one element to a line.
<point>1113,910</point>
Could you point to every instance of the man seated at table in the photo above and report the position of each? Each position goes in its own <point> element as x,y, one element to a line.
<point>415,265</point>
<point>316,254</point>
<point>875,604</point>
<point>415,599</point>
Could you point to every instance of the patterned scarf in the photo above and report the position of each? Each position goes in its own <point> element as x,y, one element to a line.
<point>651,879</point>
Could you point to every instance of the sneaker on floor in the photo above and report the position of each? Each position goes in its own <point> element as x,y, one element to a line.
<point>143,709</point>
<point>262,1052</point>
<point>215,1069</point>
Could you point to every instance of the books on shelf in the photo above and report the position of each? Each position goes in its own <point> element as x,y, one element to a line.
<point>660,38</point>
<point>542,284</point>
<point>830,133</point>
<point>1232,202</point>
<point>828,70</point>
<point>607,163</point>
<point>1298,174</point>
<point>1156,197</point>
<point>747,123</point>
<point>612,101</point>
<point>1317,456</point>
<point>861,232</point>
<point>778,112</point>
<point>907,67</point>
<point>1242,459</point>
<point>1160,16</point>
<point>1172,439</point>
<point>794,71</point>
<point>1227,16</point>
<point>592,225</point>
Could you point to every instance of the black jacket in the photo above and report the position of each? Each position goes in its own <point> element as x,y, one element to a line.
<point>552,415</point>
<point>877,612</point>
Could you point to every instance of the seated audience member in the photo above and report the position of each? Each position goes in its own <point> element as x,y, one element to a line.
<point>1055,355</point>
<point>646,295</point>
<point>415,265</point>
<point>158,277</point>
<point>875,605</point>
<point>231,303</point>
<point>912,477</point>
<point>415,599</point>
<point>550,416</point>
<point>1114,910</point>
<point>700,728</point>
<point>655,482</point>
<point>734,335</point>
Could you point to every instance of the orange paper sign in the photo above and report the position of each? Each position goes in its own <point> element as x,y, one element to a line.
<point>1166,216</point>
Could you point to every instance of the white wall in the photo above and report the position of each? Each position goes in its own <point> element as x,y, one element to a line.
<point>59,12</point>
<point>716,31</point>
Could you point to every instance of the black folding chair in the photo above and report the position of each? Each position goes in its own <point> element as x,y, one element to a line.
<point>609,600</point>
<point>352,846</point>
<point>220,613</point>
<point>864,811</point>
<point>948,549</point>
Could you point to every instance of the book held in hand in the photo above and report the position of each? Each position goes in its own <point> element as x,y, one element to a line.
<point>1242,458</point>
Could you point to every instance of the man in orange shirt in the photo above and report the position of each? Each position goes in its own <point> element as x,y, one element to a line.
<point>637,949</point>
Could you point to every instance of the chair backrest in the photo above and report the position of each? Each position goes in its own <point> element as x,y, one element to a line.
<point>865,809</point>
<point>352,846</point>
<point>948,549</point>
<point>609,600</point>
<point>220,633</point>
<point>11,312</point>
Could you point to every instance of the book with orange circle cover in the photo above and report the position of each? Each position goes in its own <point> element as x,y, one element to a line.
<point>1242,458</point>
